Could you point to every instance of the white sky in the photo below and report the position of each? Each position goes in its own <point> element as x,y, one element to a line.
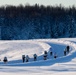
<point>44,2</point>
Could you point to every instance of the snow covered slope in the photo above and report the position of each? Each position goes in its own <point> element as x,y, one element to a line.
<point>14,50</point>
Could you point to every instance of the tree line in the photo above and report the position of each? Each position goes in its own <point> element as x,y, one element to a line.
<point>37,22</point>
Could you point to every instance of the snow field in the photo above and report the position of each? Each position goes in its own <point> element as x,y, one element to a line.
<point>15,49</point>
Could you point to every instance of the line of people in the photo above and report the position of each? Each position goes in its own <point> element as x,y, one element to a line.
<point>67,49</point>
<point>45,55</point>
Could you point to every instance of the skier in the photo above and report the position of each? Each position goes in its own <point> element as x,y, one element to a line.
<point>27,58</point>
<point>23,58</point>
<point>45,55</point>
<point>68,48</point>
<point>5,60</point>
<point>35,57</point>
<point>51,51</point>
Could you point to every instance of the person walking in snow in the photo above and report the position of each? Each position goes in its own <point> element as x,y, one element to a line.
<point>51,53</point>
<point>23,58</point>
<point>67,48</point>
<point>5,60</point>
<point>45,55</point>
<point>27,58</point>
<point>35,57</point>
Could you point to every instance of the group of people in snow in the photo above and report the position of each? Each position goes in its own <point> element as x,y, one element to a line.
<point>51,54</point>
<point>45,55</point>
<point>26,58</point>
<point>66,50</point>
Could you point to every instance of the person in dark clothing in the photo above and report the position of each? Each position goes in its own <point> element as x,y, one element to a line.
<point>5,60</point>
<point>45,55</point>
<point>67,48</point>
<point>23,58</point>
<point>35,57</point>
<point>51,53</point>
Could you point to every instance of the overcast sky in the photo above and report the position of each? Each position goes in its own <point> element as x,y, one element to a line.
<point>44,2</point>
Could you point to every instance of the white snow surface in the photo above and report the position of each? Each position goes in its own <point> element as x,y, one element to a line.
<point>14,49</point>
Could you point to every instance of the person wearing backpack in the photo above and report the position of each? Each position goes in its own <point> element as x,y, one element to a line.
<point>35,57</point>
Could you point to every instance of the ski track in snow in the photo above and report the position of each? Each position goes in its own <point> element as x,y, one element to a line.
<point>15,49</point>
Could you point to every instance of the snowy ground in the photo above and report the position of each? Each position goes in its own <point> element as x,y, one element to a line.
<point>62,65</point>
